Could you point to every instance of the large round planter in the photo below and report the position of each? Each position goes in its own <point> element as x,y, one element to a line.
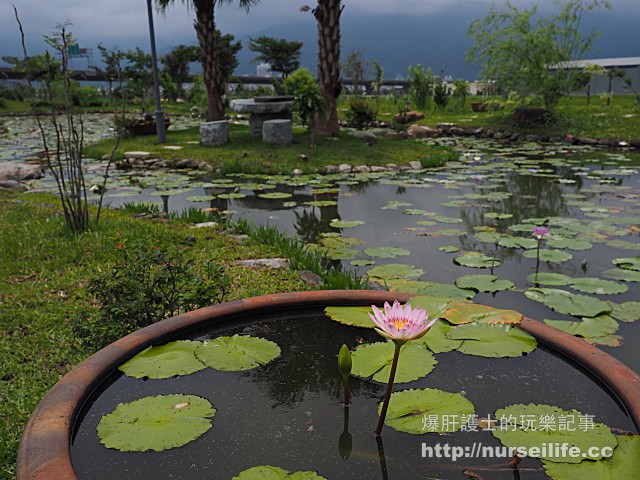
<point>45,447</point>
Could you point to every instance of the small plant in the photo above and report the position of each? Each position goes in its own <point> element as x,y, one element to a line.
<point>420,85</point>
<point>148,284</point>
<point>360,113</point>
<point>440,95</point>
<point>141,207</point>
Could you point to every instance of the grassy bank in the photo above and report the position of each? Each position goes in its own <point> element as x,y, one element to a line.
<point>248,154</point>
<point>44,278</point>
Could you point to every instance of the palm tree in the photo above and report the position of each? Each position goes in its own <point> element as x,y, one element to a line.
<point>204,25</point>
<point>327,13</point>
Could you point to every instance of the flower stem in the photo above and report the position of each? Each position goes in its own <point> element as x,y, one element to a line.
<point>538,258</point>
<point>347,396</point>
<point>387,396</point>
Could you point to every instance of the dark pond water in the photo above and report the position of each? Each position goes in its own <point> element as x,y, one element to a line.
<point>289,414</point>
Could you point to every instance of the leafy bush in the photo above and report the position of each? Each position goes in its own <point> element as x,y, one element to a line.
<point>146,285</point>
<point>360,113</point>
<point>440,95</point>
<point>420,85</point>
<point>306,94</point>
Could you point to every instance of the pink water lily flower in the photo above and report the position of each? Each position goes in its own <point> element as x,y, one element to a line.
<point>539,232</point>
<point>401,323</point>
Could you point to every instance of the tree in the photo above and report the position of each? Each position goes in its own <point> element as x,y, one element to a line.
<point>530,54</point>
<point>281,54</point>
<point>138,76</point>
<point>378,78</point>
<point>176,65</point>
<point>204,25</point>
<point>112,60</point>
<point>420,85</point>
<point>355,68</point>
<point>327,14</point>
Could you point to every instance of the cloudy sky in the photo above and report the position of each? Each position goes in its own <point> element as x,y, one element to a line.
<point>123,23</point>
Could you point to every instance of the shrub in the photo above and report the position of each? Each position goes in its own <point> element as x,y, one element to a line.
<point>360,113</point>
<point>440,95</point>
<point>146,285</point>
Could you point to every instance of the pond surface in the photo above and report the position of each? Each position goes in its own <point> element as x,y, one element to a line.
<point>288,413</point>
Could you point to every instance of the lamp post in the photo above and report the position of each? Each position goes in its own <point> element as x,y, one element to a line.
<point>162,136</point>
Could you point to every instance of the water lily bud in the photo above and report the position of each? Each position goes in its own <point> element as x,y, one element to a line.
<point>344,361</point>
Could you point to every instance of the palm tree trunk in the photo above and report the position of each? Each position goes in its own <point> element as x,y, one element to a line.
<point>214,84</point>
<point>327,15</point>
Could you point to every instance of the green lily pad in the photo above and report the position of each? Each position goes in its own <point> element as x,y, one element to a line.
<point>231,196</point>
<point>165,361</point>
<point>394,271</point>
<point>556,279</point>
<point>625,463</point>
<point>321,203</point>
<point>156,423</point>
<point>443,219</point>
<point>275,195</point>
<point>394,205</point>
<point>598,286</point>
<point>547,255</point>
<point>202,198</point>
<point>435,306</point>
<point>354,316</point>
<point>625,312</point>
<point>346,223</point>
<point>426,223</point>
<point>418,211</point>
<point>622,275</point>
<point>374,360</point>
<point>429,288</point>
<point>436,338</point>
<point>570,243</point>
<point>599,330</point>
<point>510,241</point>
<point>568,303</point>
<point>449,249</point>
<point>449,232</point>
<point>161,193</point>
<point>484,283</point>
<point>537,425</point>
<point>267,472</point>
<point>408,410</point>
<point>237,353</point>
<point>386,252</point>
<point>467,312</point>
<point>498,216</point>
<point>476,260</point>
<point>631,263</point>
<point>492,340</point>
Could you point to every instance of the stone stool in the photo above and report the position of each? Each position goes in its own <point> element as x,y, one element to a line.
<point>214,133</point>
<point>277,132</point>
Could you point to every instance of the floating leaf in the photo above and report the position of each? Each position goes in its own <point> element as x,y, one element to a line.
<point>537,425</point>
<point>393,205</point>
<point>497,215</point>
<point>418,211</point>
<point>267,472</point>
<point>435,306</point>
<point>231,196</point>
<point>598,330</point>
<point>476,260</point>
<point>570,243</point>
<point>631,263</point>
<point>436,338</point>
<point>386,252</point>
<point>202,198</point>
<point>624,464</point>
<point>568,303</point>
<point>408,410</point>
<point>429,288</point>
<point>625,312</point>
<point>155,423</point>
<point>165,361</point>
<point>345,223</point>
<point>443,219</point>
<point>275,195</point>
<point>622,275</point>
<point>484,283</point>
<point>449,249</point>
<point>509,241</point>
<point>492,340</point>
<point>467,312</point>
<point>321,203</point>
<point>354,316</point>
<point>547,255</point>
<point>374,360</point>
<point>237,353</point>
<point>393,271</point>
<point>549,279</point>
<point>597,285</point>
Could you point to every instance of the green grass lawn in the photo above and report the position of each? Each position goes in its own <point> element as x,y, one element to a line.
<point>44,272</point>
<point>248,154</point>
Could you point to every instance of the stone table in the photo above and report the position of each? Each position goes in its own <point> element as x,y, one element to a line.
<point>263,108</point>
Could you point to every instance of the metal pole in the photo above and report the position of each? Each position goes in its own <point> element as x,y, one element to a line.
<point>162,136</point>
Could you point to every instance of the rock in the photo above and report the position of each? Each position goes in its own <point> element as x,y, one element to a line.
<point>392,167</point>
<point>500,135</point>
<point>20,171</point>
<point>12,185</point>
<point>529,116</point>
<point>137,154</point>
<point>296,172</point>
<point>205,225</point>
<point>421,131</point>
<point>214,133</point>
<point>415,165</point>
<point>172,147</point>
<point>361,169</point>
<point>635,143</point>
<point>106,157</point>
<point>366,136</point>
<point>311,278</point>
<point>264,262</point>
<point>344,168</point>
<point>186,163</point>
<point>240,238</point>
<point>531,137</point>
<point>378,168</point>
<point>585,141</point>
<point>408,117</point>
<point>330,169</point>
<point>277,132</point>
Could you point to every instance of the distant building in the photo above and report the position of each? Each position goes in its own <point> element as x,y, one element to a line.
<point>600,83</point>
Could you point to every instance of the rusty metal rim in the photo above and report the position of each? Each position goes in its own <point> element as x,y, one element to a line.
<point>44,451</point>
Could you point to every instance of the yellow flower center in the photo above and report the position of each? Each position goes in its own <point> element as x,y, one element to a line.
<point>399,323</point>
